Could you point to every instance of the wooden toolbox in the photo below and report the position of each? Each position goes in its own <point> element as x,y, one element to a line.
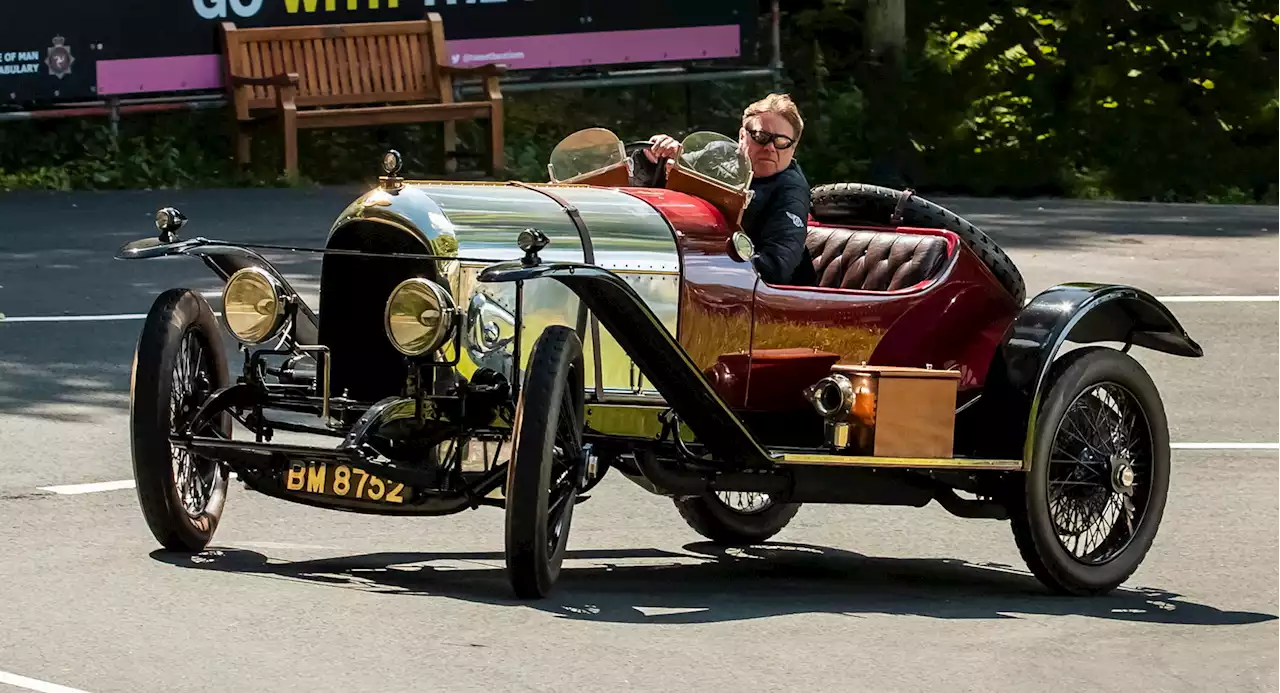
<point>913,410</point>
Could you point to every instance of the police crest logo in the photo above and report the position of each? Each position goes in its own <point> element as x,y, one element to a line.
<point>59,58</point>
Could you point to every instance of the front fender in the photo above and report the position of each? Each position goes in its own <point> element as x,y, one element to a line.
<point>226,259</point>
<point>654,350</point>
<point>1082,313</point>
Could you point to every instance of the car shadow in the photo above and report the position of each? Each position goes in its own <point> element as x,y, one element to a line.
<point>710,584</point>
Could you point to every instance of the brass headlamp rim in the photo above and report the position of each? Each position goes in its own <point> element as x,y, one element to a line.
<point>448,316</point>
<point>278,300</point>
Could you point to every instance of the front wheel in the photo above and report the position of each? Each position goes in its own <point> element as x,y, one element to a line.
<point>732,518</point>
<point>178,363</point>
<point>1094,497</point>
<point>545,472</point>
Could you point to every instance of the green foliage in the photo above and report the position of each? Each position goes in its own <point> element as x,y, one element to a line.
<point>1173,100</point>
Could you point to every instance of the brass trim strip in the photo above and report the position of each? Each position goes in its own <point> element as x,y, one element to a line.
<point>913,462</point>
<point>620,271</point>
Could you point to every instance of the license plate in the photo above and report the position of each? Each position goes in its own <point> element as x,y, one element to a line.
<point>344,481</point>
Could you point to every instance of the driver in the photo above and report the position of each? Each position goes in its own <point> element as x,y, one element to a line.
<point>776,219</point>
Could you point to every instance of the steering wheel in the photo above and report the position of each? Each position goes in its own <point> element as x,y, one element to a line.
<point>632,147</point>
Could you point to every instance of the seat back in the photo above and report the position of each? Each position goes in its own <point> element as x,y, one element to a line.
<point>375,62</point>
<point>874,260</point>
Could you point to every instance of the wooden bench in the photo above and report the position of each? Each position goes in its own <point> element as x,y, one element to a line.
<point>341,75</point>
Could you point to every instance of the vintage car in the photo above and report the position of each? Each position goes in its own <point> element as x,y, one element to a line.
<point>505,344</point>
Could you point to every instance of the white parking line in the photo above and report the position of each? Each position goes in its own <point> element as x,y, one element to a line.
<point>35,684</point>
<point>111,317</point>
<point>1225,446</point>
<point>74,318</point>
<point>1219,299</point>
<point>74,489</point>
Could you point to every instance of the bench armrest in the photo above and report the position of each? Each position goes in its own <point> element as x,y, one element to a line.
<point>286,80</point>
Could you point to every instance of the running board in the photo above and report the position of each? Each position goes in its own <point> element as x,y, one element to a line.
<point>641,423</point>
<point>811,459</point>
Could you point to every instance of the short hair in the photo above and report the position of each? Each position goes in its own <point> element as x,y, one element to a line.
<point>780,104</point>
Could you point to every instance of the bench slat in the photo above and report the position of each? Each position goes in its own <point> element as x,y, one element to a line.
<point>255,67</point>
<point>371,64</point>
<point>397,72</point>
<point>310,78</point>
<point>374,64</point>
<point>415,63</point>
<point>382,64</point>
<point>333,68</point>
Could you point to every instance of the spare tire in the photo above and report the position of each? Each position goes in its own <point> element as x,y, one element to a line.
<point>857,204</point>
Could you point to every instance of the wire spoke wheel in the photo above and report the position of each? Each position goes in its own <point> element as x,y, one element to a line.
<point>1102,436</point>
<point>179,363</point>
<point>545,474</point>
<point>745,502</point>
<point>1096,492</point>
<point>194,476</point>
<point>736,518</point>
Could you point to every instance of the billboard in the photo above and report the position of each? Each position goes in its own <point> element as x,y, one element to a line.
<point>76,50</point>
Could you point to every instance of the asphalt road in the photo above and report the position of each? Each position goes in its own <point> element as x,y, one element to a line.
<point>296,599</point>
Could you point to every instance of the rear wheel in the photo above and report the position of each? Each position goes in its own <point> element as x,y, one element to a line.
<point>178,363</point>
<point>1096,492</point>
<point>732,518</point>
<point>859,204</point>
<point>546,469</point>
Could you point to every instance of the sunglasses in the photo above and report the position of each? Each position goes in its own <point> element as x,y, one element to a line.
<point>763,137</point>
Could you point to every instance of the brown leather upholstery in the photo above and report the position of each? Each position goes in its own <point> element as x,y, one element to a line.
<point>874,260</point>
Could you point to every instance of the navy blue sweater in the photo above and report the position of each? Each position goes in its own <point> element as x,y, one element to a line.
<point>777,222</point>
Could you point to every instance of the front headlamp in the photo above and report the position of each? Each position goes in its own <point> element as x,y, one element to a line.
<point>253,305</point>
<point>420,316</point>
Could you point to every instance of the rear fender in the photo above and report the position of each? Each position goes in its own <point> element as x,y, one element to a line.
<point>658,355</point>
<point>1082,313</point>
<point>226,259</point>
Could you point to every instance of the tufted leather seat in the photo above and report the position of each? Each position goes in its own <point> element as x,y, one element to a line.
<point>873,260</point>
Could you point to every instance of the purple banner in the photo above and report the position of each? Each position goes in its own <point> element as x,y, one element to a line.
<point>195,72</point>
<point>71,50</point>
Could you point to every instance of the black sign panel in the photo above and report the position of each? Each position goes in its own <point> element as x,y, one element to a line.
<point>73,50</point>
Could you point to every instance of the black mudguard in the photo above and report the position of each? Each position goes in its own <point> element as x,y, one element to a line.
<point>226,259</point>
<point>1084,313</point>
<point>655,351</point>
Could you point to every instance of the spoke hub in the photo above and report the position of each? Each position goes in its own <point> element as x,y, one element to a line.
<point>1121,475</point>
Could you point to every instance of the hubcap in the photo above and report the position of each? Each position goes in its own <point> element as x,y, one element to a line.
<point>1121,475</point>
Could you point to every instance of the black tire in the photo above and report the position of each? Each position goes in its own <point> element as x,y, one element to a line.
<point>858,204</point>
<point>542,486</point>
<point>711,517</point>
<point>1072,390</point>
<point>179,356</point>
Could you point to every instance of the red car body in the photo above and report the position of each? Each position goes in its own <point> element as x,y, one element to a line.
<point>761,344</point>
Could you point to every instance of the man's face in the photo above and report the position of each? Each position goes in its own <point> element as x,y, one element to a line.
<point>767,159</point>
